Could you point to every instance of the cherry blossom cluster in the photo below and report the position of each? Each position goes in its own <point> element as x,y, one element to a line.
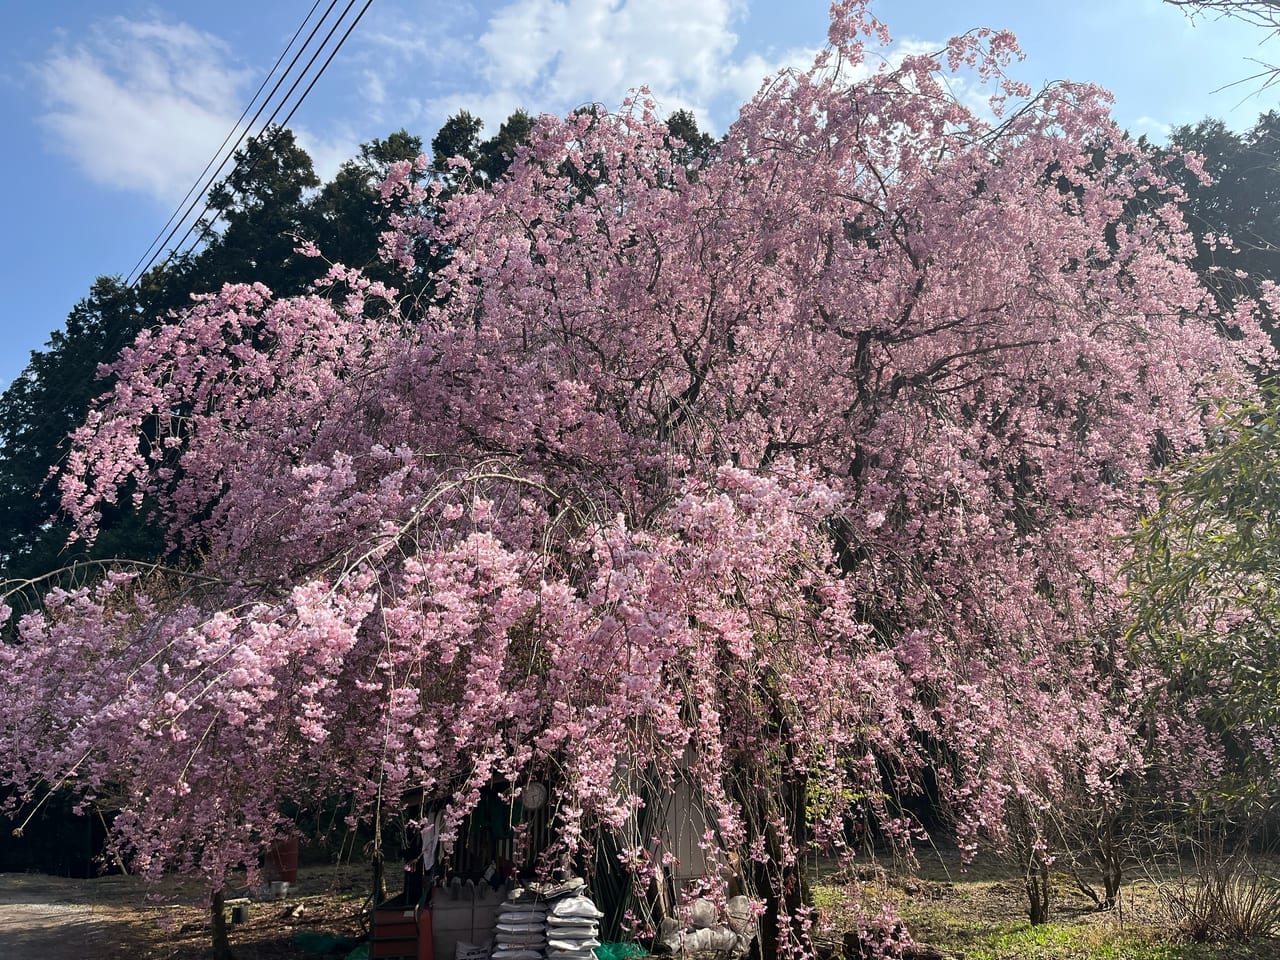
<point>795,476</point>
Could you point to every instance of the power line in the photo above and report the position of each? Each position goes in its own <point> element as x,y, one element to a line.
<point>325,66</point>
<point>201,184</point>
<point>201,196</point>
<point>209,206</point>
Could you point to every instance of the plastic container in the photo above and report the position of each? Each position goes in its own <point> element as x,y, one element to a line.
<point>452,915</point>
<point>401,931</point>
<point>282,861</point>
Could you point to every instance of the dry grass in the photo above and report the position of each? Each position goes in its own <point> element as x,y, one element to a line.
<point>975,912</point>
<point>979,912</point>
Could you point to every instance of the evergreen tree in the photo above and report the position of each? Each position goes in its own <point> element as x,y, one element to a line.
<point>1241,204</point>
<point>345,219</point>
<point>494,156</point>
<point>262,202</point>
<point>267,204</point>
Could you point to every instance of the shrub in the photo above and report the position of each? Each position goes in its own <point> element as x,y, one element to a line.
<point>1225,900</point>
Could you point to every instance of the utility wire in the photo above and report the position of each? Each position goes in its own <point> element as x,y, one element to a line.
<point>209,206</point>
<point>201,196</point>
<point>325,66</point>
<point>204,180</point>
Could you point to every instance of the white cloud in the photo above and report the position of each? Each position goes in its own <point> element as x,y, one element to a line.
<point>1150,125</point>
<point>742,79</point>
<point>431,34</point>
<point>327,151</point>
<point>142,105</point>
<point>566,52</point>
<point>373,88</point>
<point>554,55</point>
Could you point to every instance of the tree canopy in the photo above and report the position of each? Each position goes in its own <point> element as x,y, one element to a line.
<point>1204,577</point>
<point>266,206</point>
<point>1233,214</point>
<point>791,470</point>
<point>270,203</point>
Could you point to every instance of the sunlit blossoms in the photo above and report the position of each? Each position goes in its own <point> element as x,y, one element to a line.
<point>795,476</point>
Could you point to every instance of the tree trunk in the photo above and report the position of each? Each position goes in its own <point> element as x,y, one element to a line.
<point>1112,864</point>
<point>784,889</point>
<point>783,892</point>
<point>1038,889</point>
<point>377,860</point>
<point>221,943</point>
<point>378,889</point>
<point>1111,881</point>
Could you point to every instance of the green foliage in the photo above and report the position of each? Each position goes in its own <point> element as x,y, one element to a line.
<point>494,156</point>
<point>693,145</point>
<point>1204,576</point>
<point>489,159</point>
<point>976,917</point>
<point>262,202</point>
<point>269,201</point>
<point>459,137</point>
<point>345,218</point>
<point>1242,202</point>
<point>1055,941</point>
<point>37,411</point>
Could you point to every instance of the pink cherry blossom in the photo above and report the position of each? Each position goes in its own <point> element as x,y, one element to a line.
<point>796,478</point>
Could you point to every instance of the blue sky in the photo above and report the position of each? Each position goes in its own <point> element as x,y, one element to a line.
<point>112,108</point>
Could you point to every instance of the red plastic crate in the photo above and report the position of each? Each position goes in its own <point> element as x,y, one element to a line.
<point>401,932</point>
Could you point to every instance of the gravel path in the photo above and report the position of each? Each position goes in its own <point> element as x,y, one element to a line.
<point>116,918</point>
<point>52,931</point>
<point>50,918</point>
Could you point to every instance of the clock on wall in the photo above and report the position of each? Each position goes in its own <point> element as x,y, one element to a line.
<point>533,796</point>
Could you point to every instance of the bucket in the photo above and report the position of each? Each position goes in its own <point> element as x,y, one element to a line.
<point>282,861</point>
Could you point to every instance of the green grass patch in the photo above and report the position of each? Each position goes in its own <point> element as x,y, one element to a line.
<point>980,914</point>
<point>1068,941</point>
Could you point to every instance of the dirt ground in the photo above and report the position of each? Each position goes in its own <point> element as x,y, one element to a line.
<point>975,911</point>
<point>114,918</point>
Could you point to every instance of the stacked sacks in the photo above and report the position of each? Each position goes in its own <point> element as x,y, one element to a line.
<point>742,921</point>
<point>521,930</point>
<point>699,932</point>
<point>573,924</point>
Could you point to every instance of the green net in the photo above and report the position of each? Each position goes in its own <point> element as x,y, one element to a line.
<point>321,944</point>
<point>619,951</point>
